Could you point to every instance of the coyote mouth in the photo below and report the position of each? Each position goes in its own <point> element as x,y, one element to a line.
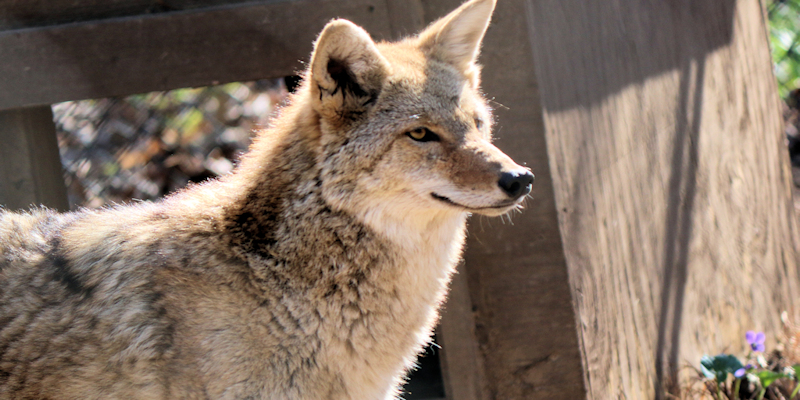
<point>446,200</point>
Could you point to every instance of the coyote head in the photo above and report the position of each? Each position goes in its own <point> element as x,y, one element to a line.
<point>405,123</point>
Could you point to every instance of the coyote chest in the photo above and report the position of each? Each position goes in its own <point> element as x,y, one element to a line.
<point>349,324</point>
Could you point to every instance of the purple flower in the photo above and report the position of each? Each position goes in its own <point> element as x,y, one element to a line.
<point>755,340</point>
<point>739,373</point>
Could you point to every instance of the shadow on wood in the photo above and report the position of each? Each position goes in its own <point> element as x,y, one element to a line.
<point>682,193</point>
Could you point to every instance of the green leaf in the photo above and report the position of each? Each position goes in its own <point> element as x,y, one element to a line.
<point>768,377</point>
<point>706,366</point>
<point>719,366</point>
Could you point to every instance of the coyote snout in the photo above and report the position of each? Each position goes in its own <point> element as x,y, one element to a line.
<point>485,180</point>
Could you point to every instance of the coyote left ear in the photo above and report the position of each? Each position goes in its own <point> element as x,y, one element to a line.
<point>347,70</point>
<point>456,38</point>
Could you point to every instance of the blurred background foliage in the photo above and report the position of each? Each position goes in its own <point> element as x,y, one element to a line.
<point>784,37</point>
<point>144,146</point>
<point>784,32</point>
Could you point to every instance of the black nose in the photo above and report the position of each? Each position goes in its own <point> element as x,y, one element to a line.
<point>516,183</point>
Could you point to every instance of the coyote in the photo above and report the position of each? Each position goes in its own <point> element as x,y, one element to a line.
<point>313,271</point>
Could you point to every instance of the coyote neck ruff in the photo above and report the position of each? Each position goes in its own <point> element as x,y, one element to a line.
<point>348,279</point>
<point>314,271</point>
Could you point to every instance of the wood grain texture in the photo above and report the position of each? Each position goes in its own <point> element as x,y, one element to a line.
<point>15,14</point>
<point>671,179</point>
<point>406,17</point>
<point>462,364</point>
<point>122,56</point>
<point>30,171</point>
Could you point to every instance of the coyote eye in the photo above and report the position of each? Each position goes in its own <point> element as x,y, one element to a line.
<point>423,135</point>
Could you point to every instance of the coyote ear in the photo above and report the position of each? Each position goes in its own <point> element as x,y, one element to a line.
<point>347,70</point>
<point>456,38</point>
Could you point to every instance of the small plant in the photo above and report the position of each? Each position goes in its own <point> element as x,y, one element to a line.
<point>725,374</point>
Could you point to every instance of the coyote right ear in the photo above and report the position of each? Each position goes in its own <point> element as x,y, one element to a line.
<point>456,38</point>
<point>347,70</point>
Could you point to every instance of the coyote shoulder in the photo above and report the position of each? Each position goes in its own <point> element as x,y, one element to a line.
<point>313,271</point>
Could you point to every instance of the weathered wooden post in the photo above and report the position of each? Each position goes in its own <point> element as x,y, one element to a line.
<point>671,180</point>
<point>30,167</point>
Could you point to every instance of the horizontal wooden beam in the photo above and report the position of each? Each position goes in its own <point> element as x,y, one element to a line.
<point>16,14</point>
<point>128,55</point>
